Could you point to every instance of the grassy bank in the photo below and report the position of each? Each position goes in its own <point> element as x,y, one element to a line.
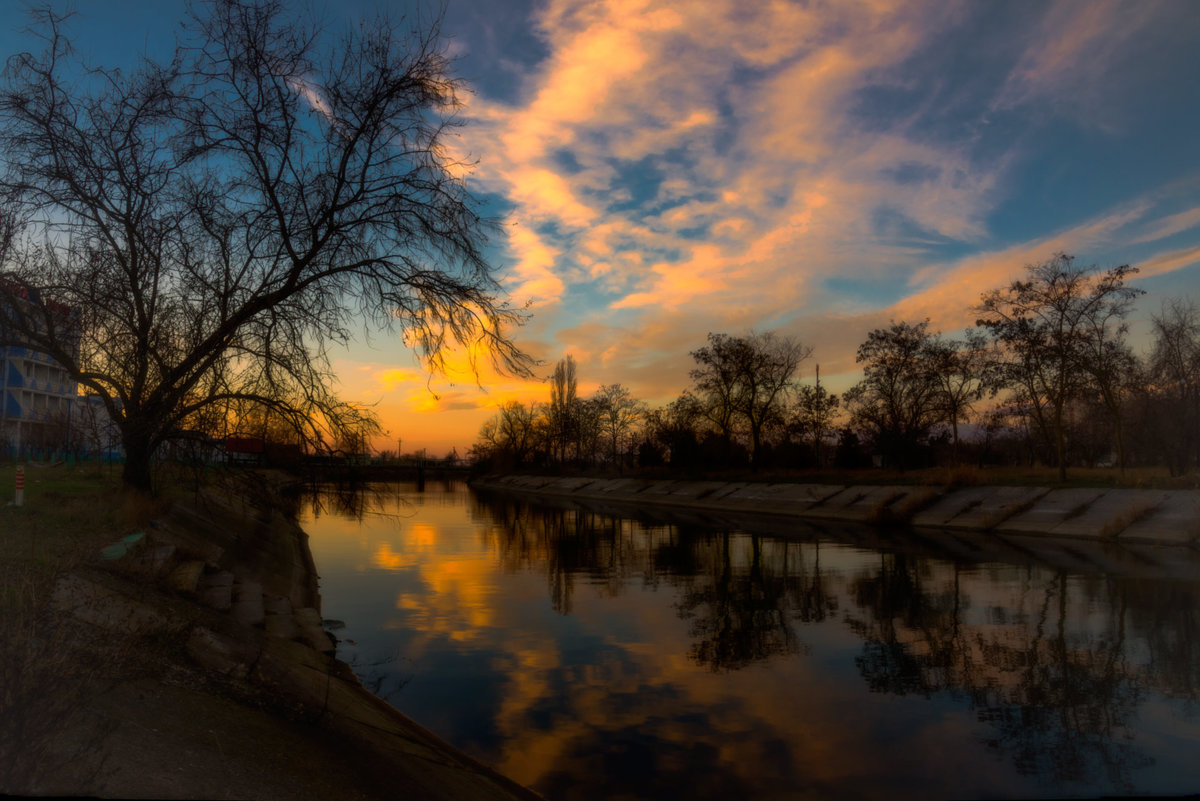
<point>68,515</point>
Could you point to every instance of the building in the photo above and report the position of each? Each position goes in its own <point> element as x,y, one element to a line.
<point>37,395</point>
<point>37,399</point>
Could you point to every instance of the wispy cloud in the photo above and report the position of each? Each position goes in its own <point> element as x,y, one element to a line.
<point>813,168</point>
<point>1072,56</point>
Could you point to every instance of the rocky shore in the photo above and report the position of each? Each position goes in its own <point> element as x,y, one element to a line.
<point>191,661</point>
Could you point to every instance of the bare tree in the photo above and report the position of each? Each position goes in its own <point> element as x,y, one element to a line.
<point>1174,366</point>
<point>1106,356</point>
<point>1045,324</point>
<point>747,379</point>
<point>673,429</point>
<point>511,436</point>
<point>564,404</point>
<point>815,410</point>
<point>519,428</point>
<point>897,400</point>
<point>216,222</point>
<point>963,370</point>
<point>618,411</point>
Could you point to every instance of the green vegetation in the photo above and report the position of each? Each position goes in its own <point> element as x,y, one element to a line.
<point>68,515</point>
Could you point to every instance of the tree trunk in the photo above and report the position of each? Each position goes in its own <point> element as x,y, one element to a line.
<point>1119,430</point>
<point>136,473</point>
<point>1060,446</point>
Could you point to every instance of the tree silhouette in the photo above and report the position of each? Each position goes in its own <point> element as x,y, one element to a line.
<point>217,221</point>
<point>897,400</point>
<point>1059,326</point>
<point>617,411</point>
<point>1175,367</point>
<point>746,379</point>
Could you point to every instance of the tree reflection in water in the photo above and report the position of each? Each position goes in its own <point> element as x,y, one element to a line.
<point>1055,669</point>
<point>1058,699</point>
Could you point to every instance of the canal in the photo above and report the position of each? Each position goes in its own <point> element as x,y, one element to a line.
<point>593,655</point>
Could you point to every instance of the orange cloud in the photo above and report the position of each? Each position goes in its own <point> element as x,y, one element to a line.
<point>534,279</point>
<point>676,284</point>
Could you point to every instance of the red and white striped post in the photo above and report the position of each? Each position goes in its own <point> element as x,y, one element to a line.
<point>20,499</point>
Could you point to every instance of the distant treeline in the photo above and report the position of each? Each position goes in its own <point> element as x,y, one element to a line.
<point>1046,376</point>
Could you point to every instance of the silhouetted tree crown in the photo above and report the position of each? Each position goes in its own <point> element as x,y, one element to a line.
<point>1059,329</point>
<point>747,381</point>
<point>217,221</point>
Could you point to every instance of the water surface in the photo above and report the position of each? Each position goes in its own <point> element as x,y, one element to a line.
<point>593,656</point>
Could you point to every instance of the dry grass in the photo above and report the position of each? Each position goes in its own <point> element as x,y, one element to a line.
<point>68,515</point>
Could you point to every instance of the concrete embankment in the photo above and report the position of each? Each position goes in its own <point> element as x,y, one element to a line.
<point>217,678</point>
<point>1126,516</point>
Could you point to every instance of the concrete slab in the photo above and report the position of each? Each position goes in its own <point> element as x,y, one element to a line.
<point>981,508</point>
<point>152,561</point>
<point>101,606</point>
<point>1052,509</point>
<point>568,486</point>
<point>659,489</point>
<point>861,503</point>
<point>777,498</point>
<point>726,490</point>
<point>758,492</point>
<point>277,605</point>
<point>216,590</point>
<point>248,603</point>
<point>950,506</point>
<point>191,544</point>
<point>812,493</point>
<point>630,486</point>
<point>282,626</point>
<point>308,616</point>
<point>687,491</point>
<point>1175,521</point>
<point>185,577</point>
<point>126,545</point>
<point>318,639</point>
<point>219,653</point>
<point>699,490</point>
<point>1110,513</point>
<point>520,483</point>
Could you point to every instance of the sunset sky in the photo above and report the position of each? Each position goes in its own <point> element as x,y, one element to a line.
<point>666,170</point>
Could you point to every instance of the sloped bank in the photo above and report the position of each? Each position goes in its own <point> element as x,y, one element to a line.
<point>1127,516</point>
<point>219,678</point>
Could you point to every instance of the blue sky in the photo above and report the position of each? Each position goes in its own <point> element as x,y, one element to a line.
<point>666,170</point>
